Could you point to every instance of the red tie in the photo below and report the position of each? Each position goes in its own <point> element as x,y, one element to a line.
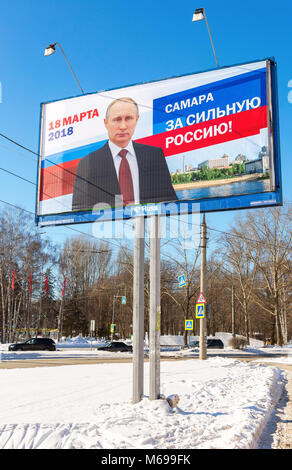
<point>125,179</point>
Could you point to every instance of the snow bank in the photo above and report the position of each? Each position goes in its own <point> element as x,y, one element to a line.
<point>224,404</point>
<point>78,342</point>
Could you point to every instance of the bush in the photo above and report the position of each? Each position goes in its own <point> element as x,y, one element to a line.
<point>237,343</point>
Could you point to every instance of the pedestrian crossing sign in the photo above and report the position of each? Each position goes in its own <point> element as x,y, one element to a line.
<point>181,280</point>
<point>200,310</point>
<point>189,325</point>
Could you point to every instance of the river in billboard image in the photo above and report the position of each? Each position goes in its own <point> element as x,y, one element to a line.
<point>223,190</point>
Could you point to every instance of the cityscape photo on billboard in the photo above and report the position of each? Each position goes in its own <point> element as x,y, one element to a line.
<point>209,138</point>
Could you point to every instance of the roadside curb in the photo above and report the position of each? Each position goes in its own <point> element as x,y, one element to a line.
<point>283,416</point>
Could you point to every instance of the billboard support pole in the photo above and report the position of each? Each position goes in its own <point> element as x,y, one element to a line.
<point>154,317</point>
<point>138,310</point>
<point>203,329</point>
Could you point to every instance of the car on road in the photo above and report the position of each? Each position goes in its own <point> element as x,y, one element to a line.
<point>116,346</point>
<point>212,343</point>
<point>34,344</point>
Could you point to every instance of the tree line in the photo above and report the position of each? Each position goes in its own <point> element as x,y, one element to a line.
<point>84,279</point>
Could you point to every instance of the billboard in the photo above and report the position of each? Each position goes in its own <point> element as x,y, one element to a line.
<point>208,140</point>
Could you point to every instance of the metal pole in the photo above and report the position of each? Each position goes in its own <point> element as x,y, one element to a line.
<point>154,317</point>
<point>113,319</point>
<point>70,67</point>
<point>138,310</point>
<point>60,320</point>
<point>203,329</point>
<point>211,37</point>
<point>40,306</point>
<point>233,310</point>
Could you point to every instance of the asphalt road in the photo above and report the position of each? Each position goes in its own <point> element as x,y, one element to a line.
<point>61,361</point>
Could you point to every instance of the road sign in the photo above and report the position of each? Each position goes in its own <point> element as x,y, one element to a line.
<point>124,300</point>
<point>113,325</point>
<point>200,310</point>
<point>189,325</point>
<point>92,325</point>
<point>181,280</point>
<point>201,299</point>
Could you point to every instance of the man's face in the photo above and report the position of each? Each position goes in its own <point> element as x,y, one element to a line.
<point>121,123</point>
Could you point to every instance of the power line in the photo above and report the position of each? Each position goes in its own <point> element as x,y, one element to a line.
<point>31,182</point>
<point>57,165</point>
<point>17,176</point>
<point>67,227</point>
<point>70,228</point>
<point>19,145</point>
<point>228,233</point>
<point>180,220</point>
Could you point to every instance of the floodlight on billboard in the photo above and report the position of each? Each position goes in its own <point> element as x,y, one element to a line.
<point>208,140</point>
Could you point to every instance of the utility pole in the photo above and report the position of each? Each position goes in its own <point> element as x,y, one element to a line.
<point>60,321</point>
<point>233,310</point>
<point>61,313</point>
<point>40,306</point>
<point>113,319</point>
<point>203,321</point>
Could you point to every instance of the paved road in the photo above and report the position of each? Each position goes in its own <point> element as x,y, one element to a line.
<point>65,361</point>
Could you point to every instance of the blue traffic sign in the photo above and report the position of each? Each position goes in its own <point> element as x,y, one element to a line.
<point>188,324</point>
<point>181,280</point>
<point>200,310</point>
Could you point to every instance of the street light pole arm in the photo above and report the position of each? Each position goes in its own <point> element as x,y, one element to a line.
<point>211,37</point>
<point>70,67</point>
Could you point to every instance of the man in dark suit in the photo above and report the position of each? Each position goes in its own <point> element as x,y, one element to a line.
<point>122,171</point>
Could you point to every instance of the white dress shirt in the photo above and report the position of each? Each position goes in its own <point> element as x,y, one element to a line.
<point>132,160</point>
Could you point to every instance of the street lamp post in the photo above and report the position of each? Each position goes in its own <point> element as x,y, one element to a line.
<point>199,15</point>
<point>51,49</point>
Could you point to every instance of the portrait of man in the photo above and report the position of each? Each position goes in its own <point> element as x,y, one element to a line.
<point>122,172</point>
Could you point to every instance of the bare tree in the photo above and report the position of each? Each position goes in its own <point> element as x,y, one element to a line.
<point>182,261</point>
<point>84,264</point>
<point>266,255</point>
<point>240,268</point>
<point>22,252</point>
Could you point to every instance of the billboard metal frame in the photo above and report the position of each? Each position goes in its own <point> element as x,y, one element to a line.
<point>214,204</point>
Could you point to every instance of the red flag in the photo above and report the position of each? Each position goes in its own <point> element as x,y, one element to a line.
<point>13,279</point>
<point>30,281</point>
<point>64,287</point>
<point>46,284</point>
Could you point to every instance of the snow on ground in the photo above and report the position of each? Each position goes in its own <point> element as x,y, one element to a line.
<point>224,403</point>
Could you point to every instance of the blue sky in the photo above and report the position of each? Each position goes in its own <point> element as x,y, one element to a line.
<point>111,44</point>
